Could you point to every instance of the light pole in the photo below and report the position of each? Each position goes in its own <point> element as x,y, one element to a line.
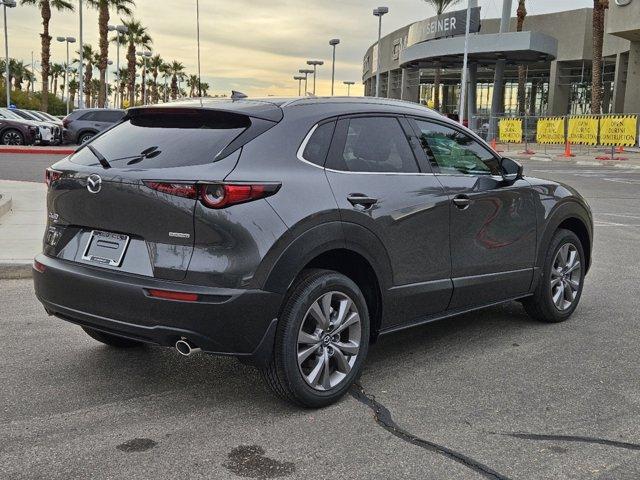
<point>66,40</point>
<point>118,29</point>
<point>299,78</point>
<point>333,42</point>
<point>348,84</point>
<point>145,55</point>
<point>314,64</point>
<point>5,4</point>
<point>80,80</point>
<point>379,12</point>
<point>198,37</point>
<point>305,72</point>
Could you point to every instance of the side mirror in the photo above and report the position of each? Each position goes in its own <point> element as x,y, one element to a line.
<point>511,170</point>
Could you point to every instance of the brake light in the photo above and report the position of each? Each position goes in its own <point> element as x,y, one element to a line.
<point>225,194</point>
<point>51,175</point>
<point>216,195</point>
<point>65,122</point>
<point>171,295</point>
<point>178,189</point>
<point>39,267</point>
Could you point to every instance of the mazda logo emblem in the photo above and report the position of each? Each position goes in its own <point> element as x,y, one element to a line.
<point>94,183</point>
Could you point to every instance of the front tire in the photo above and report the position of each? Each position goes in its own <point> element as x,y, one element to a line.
<point>321,341</point>
<point>111,340</point>
<point>12,137</point>
<point>560,286</point>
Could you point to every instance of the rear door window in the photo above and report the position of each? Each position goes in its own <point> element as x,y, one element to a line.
<point>318,145</point>
<point>163,140</point>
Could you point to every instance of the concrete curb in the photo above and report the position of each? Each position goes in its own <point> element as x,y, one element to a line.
<point>5,204</point>
<point>17,270</point>
<point>38,150</point>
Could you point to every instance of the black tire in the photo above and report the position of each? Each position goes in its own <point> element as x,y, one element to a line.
<point>12,136</point>
<point>111,340</point>
<point>282,373</point>
<point>85,137</point>
<point>541,306</point>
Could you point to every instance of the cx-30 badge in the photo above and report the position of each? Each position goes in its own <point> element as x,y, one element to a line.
<point>94,183</point>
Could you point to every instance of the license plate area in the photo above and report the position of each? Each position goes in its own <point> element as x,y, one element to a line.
<point>106,248</point>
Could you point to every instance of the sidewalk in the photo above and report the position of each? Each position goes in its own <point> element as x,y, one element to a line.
<point>583,155</point>
<point>22,228</point>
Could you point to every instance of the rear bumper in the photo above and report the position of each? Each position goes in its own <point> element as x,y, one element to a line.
<point>224,321</point>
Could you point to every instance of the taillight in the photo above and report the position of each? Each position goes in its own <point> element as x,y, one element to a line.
<point>216,195</point>
<point>65,122</point>
<point>39,267</point>
<point>51,175</point>
<point>178,189</point>
<point>222,195</point>
<point>171,295</point>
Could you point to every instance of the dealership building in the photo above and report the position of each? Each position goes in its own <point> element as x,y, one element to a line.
<point>555,49</point>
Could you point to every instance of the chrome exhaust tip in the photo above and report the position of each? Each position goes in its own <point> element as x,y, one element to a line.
<point>184,347</point>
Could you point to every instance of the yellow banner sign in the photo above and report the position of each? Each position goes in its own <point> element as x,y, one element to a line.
<point>510,130</point>
<point>619,130</point>
<point>550,130</point>
<point>583,130</point>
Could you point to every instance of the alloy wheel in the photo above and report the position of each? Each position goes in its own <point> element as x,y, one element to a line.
<point>12,138</point>
<point>329,340</point>
<point>565,276</point>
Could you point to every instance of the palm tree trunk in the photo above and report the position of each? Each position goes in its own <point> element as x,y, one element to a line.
<point>87,84</point>
<point>436,88</point>
<point>103,23</point>
<point>596,69</point>
<point>154,92</point>
<point>131,65</point>
<point>45,11</point>
<point>522,75</point>
<point>174,88</point>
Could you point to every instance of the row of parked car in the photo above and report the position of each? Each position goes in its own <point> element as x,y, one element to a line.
<point>31,127</point>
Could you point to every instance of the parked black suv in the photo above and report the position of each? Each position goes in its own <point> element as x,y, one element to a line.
<point>291,233</point>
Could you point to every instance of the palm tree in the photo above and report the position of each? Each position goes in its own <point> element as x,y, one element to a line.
<point>123,78</point>
<point>90,56</point>
<point>73,88</point>
<point>192,83</point>
<point>165,70</point>
<point>176,69</point>
<point>204,89</point>
<point>57,70</point>
<point>103,7</point>
<point>599,6</point>
<point>137,36</point>
<point>16,71</point>
<point>440,7</point>
<point>522,73</point>
<point>30,78</point>
<point>45,12</point>
<point>155,63</point>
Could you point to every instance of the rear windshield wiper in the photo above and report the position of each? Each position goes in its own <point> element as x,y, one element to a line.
<point>103,161</point>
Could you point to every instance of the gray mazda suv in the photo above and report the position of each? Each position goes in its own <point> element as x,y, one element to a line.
<point>292,233</point>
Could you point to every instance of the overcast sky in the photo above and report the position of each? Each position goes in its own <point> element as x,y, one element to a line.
<point>254,46</point>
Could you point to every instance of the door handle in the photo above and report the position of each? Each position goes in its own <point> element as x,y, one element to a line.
<point>461,201</point>
<point>362,200</point>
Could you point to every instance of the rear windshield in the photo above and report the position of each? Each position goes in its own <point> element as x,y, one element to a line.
<point>163,140</point>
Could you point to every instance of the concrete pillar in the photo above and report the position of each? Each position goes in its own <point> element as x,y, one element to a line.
<point>411,85</point>
<point>622,59</point>
<point>403,83</point>
<point>472,95</point>
<point>558,94</point>
<point>632,97</point>
<point>390,79</point>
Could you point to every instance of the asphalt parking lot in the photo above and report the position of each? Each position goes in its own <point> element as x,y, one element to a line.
<point>490,394</point>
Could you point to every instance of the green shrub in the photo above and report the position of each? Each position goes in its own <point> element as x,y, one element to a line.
<point>27,100</point>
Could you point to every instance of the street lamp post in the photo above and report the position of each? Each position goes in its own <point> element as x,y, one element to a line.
<point>314,64</point>
<point>299,78</point>
<point>80,80</point>
<point>379,12</point>
<point>333,42</point>
<point>145,55</point>
<point>305,72</point>
<point>5,4</point>
<point>66,40</point>
<point>348,84</point>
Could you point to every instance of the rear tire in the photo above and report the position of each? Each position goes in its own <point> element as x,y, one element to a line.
<point>12,137</point>
<point>560,285</point>
<point>321,341</point>
<point>111,340</point>
<point>85,137</point>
